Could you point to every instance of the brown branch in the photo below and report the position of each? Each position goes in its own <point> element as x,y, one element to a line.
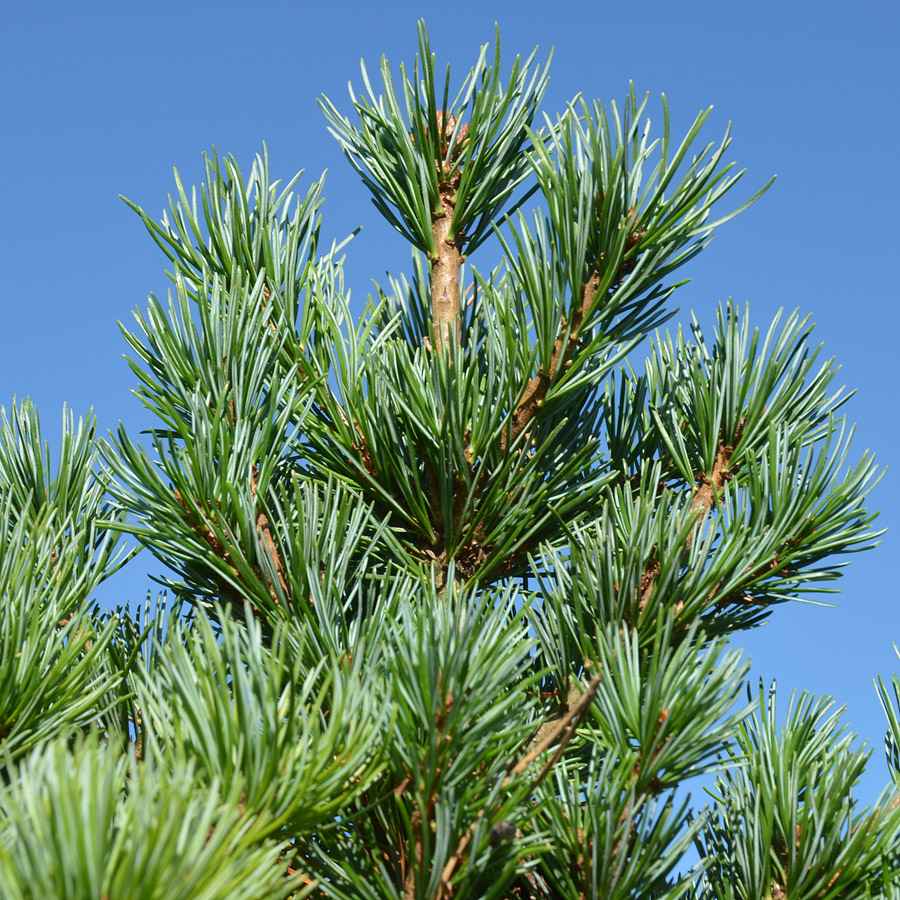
<point>648,579</point>
<point>709,485</point>
<point>265,532</point>
<point>447,257</point>
<point>564,347</point>
<point>262,527</point>
<point>206,533</point>
<point>550,729</point>
<point>138,734</point>
<point>563,731</point>
<point>568,339</point>
<point>409,881</point>
<point>267,295</point>
<point>445,265</point>
<point>216,546</point>
<point>362,448</point>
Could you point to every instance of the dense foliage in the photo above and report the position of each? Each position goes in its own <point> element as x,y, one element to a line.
<point>451,581</point>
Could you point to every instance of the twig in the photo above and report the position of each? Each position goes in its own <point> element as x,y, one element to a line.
<point>563,731</point>
<point>564,346</point>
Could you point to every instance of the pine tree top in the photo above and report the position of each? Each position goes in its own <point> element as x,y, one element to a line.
<point>452,578</point>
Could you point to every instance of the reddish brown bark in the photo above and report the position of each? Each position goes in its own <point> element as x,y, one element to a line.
<point>445,267</point>
<point>563,348</point>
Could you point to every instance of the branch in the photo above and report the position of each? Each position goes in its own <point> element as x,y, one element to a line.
<point>447,258</point>
<point>445,265</point>
<point>409,882</point>
<point>220,551</point>
<point>265,532</point>
<point>564,348</point>
<point>563,731</point>
<point>709,485</point>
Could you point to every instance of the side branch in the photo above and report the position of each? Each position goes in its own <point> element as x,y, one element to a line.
<point>710,484</point>
<point>559,733</point>
<point>563,349</point>
<point>195,518</point>
<point>265,532</point>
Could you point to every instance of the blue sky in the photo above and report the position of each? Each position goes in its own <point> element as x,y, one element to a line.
<point>100,99</point>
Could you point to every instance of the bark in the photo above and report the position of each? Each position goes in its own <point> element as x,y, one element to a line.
<point>445,282</point>
<point>563,348</point>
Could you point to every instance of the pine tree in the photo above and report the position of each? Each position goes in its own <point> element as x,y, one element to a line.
<point>452,578</point>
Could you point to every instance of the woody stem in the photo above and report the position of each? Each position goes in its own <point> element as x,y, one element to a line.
<point>563,348</point>
<point>445,266</point>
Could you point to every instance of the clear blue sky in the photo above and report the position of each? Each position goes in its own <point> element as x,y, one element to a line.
<point>100,99</point>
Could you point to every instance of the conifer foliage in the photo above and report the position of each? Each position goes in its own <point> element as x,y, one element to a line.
<point>451,581</point>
